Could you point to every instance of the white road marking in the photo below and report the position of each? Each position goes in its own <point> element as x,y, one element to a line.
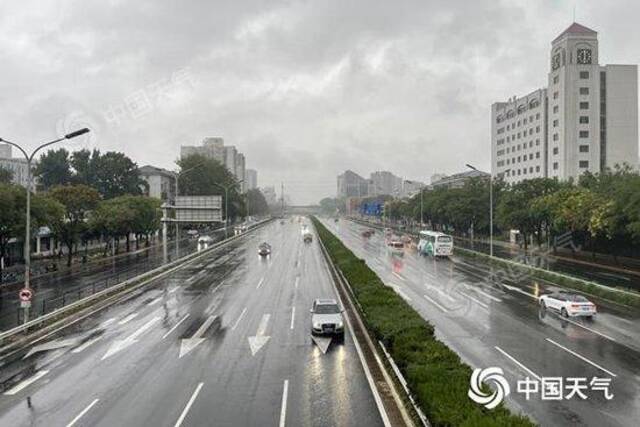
<point>480,303</point>
<point>81,414</point>
<point>515,288</point>
<point>25,383</point>
<point>108,322</point>
<point>436,303</point>
<point>172,290</point>
<point>399,291</point>
<point>293,316</point>
<point>188,344</point>
<point>86,344</point>
<point>297,282</point>
<point>573,322</point>
<point>260,283</point>
<point>441,292</point>
<point>119,345</point>
<point>480,291</point>
<point>175,326</point>
<point>581,357</point>
<point>155,301</point>
<point>185,411</point>
<point>128,319</point>
<point>529,371</point>
<point>259,340</point>
<point>235,325</point>
<point>398,275</point>
<point>283,408</point>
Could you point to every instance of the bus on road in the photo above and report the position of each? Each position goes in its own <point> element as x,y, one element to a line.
<point>434,243</point>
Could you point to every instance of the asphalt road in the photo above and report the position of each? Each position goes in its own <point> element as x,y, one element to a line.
<point>499,323</point>
<point>223,341</point>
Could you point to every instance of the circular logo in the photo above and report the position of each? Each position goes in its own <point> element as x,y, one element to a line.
<point>491,375</point>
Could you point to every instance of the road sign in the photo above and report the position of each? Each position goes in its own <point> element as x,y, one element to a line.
<point>25,304</point>
<point>198,209</point>
<point>25,294</point>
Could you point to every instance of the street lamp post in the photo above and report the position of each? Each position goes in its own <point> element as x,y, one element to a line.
<point>490,208</point>
<point>27,238</point>
<point>226,204</point>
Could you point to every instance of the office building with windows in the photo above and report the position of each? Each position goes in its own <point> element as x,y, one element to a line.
<point>587,116</point>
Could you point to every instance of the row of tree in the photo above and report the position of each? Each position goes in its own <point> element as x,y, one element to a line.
<point>598,211</point>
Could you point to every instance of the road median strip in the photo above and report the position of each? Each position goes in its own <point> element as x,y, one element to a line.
<point>435,376</point>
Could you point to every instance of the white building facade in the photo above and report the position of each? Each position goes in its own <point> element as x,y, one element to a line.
<point>251,179</point>
<point>587,116</point>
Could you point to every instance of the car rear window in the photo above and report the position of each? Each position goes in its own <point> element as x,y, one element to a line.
<point>576,298</point>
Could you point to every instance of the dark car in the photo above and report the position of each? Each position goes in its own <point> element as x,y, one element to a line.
<point>264,249</point>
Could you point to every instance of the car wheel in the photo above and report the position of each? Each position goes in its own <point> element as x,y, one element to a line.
<point>564,313</point>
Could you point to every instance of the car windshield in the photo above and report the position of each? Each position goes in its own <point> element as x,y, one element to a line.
<point>444,239</point>
<point>327,309</point>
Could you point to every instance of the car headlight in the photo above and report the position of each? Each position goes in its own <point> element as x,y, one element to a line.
<point>317,325</point>
<point>340,325</point>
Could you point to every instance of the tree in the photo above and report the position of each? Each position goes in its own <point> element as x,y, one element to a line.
<point>78,201</point>
<point>12,214</point>
<point>203,176</point>
<point>113,174</point>
<point>256,204</point>
<point>53,168</point>
<point>6,176</point>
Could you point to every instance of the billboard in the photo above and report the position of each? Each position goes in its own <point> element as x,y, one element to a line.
<point>198,208</point>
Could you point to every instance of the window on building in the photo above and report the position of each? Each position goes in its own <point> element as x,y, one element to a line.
<point>507,161</point>
<point>518,159</point>
<point>584,134</point>
<point>508,139</point>
<point>530,118</point>
<point>584,75</point>
<point>555,95</point>
<point>584,119</point>
<point>584,148</point>
<point>531,131</point>
<point>537,168</point>
<point>524,121</point>
<point>530,156</point>
<point>518,171</point>
<point>537,129</point>
<point>555,136</point>
<point>555,166</point>
<point>583,164</point>
<point>537,116</point>
<point>584,91</point>
<point>530,144</point>
<point>555,123</point>
<point>518,135</point>
<point>530,169</point>
<point>538,155</point>
<point>518,123</point>
<point>555,150</point>
<point>556,79</point>
<point>537,142</point>
<point>524,171</point>
<point>508,127</point>
<point>584,105</point>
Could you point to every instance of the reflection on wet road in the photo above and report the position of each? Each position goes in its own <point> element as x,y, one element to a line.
<point>223,341</point>
<point>490,317</point>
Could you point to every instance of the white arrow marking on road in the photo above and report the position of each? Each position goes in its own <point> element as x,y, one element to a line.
<point>259,340</point>
<point>323,343</point>
<point>155,301</point>
<point>15,389</point>
<point>189,344</point>
<point>260,283</point>
<point>52,345</point>
<point>175,326</point>
<point>119,345</point>
<point>86,344</point>
<point>128,319</point>
<point>514,288</point>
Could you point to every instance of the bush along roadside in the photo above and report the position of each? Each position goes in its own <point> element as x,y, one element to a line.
<point>435,374</point>
<point>624,296</point>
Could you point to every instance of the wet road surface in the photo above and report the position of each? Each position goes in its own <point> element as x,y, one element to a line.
<point>223,341</point>
<point>500,324</point>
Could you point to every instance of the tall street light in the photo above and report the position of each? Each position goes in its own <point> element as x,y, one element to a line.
<point>27,238</point>
<point>182,172</point>
<point>226,204</point>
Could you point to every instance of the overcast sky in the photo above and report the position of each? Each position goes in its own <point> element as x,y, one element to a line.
<point>306,89</point>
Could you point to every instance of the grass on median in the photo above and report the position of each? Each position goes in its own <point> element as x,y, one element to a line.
<point>435,373</point>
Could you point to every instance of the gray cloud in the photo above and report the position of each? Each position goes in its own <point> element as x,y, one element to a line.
<point>306,89</point>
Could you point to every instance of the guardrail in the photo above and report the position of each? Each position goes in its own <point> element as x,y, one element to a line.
<point>116,289</point>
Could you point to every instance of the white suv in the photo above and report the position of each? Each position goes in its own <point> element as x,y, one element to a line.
<point>568,304</point>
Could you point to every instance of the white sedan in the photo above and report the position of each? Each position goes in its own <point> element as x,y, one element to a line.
<point>568,304</point>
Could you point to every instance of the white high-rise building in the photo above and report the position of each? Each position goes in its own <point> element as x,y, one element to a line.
<point>251,179</point>
<point>590,113</point>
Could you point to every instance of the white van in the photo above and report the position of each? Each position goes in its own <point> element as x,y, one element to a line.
<point>434,243</point>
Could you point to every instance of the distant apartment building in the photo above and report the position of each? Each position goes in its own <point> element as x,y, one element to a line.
<point>385,182</point>
<point>17,166</point>
<point>350,184</point>
<point>585,120</point>
<point>458,180</point>
<point>251,179</point>
<point>214,148</point>
<point>161,183</point>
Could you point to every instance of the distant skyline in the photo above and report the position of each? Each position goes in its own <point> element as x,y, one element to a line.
<point>305,89</point>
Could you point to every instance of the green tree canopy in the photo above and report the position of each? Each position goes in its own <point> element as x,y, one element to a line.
<point>256,204</point>
<point>113,174</point>
<point>53,168</point>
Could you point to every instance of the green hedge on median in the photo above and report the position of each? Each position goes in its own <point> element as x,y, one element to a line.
<point>435,374</point>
